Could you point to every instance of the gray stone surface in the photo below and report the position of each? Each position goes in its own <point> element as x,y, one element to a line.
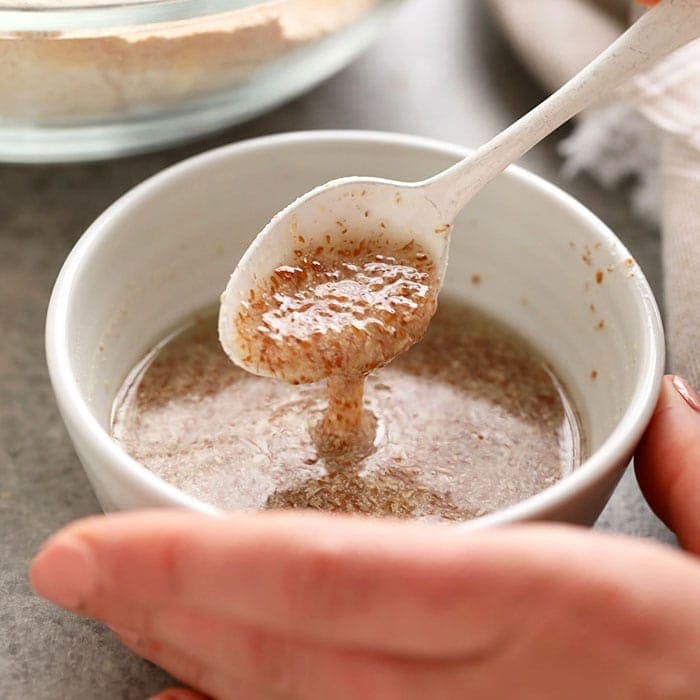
<point>441,71</point>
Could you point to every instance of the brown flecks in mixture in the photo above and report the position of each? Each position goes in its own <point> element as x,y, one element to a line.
<point>475,279</point>
<point>629,262</point>
<point>592,307</point>
<point>599,276</point>
<point>598,245</point>
<point>572,244</point>
<point>600,325</point>
<point>610,268</point>
<point>587,256</point>
<point>339,314</point>
<point>397,197</point>
<point>594,375</point>
<point>393,493</point>
<point>343,312</point>
<point>468,421</point>
<point>443,228</point>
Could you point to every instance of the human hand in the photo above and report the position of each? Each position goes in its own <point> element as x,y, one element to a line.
<point>306,606</point>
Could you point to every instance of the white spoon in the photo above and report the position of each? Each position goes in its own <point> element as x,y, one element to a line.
<point>425,211</point>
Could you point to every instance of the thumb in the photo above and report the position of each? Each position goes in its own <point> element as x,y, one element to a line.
<point>667,461</point>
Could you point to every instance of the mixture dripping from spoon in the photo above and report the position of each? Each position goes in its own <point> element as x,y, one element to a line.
<point>337,311</point>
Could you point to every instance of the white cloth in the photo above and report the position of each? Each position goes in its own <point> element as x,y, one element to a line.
<point>651,131</point>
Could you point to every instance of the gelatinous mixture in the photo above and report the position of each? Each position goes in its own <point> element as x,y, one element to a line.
<point>469,420</point>
<point>337,312</point>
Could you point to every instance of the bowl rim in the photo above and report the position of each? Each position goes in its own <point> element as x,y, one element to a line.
<point>79,15</point>
<point>617,448</point>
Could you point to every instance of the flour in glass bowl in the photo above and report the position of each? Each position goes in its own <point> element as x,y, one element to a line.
<point>93,74</point>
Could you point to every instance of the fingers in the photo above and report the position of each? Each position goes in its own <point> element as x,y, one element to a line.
<point>394,588</point>
<point>228,660</point>
<point>293,667</point>
<point>183,666</point>
<point>667,461</point>
<point>361,582</point>
<point>626,613</point>
<point>560,656</point>
<point>504,600</point>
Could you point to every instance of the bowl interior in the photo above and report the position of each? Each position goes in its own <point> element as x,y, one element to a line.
<point>522,250</point>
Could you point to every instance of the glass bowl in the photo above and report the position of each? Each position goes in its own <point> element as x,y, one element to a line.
<point>94,80</point>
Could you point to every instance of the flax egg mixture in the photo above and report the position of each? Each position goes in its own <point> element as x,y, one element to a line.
<point>468,420</point>
<point>338,312</point>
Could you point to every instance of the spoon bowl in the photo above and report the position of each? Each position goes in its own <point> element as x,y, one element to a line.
<point>348,207</point>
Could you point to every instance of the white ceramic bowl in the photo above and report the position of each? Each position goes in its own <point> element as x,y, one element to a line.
<point>165,250</point>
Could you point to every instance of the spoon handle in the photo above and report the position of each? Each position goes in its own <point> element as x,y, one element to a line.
<point>666,27</point>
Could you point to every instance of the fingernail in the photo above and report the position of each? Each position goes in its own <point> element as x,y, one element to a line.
<point>64,572</point>
<point>690,396</point>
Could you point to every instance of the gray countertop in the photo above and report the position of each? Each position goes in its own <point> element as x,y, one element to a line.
<point>458,82</point>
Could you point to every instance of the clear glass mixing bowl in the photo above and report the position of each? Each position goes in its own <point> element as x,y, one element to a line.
<point>94,79</point>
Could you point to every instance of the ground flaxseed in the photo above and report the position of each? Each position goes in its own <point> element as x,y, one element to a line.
<point>468,421</point>
<point>337,311</point>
